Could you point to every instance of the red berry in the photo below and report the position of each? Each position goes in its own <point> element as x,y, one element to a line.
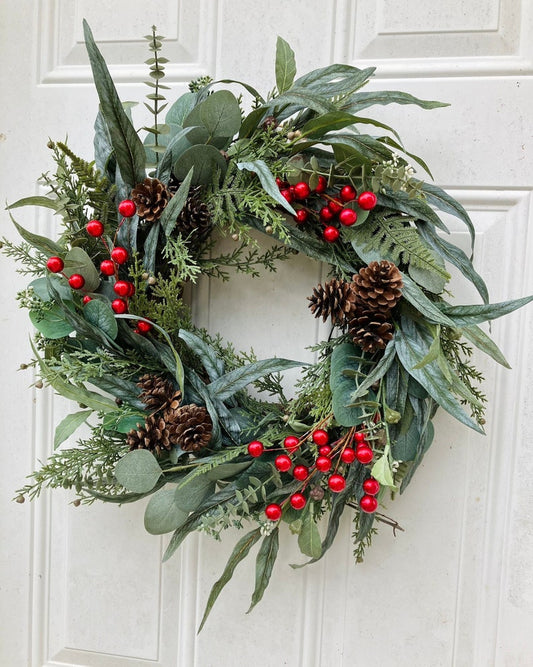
<point>144,327</point>
<point>347,217</point>
<point>137,331</point>
<point>321,185</point>
<point>122,288</point>
<point>94,228</point>
<point>301,216</point>
<point>331,234</point>
<point>283,463</point>
<point>127,208</point>
<point>119,306</point>
<point>55,264</point>
<point>107,267</point>
<point>255,448</point>
<point>132,289</point>
<point>76,281</point>
<point>367,200</point>
<point>320,437</point>
<point>279,182</point>
<point>291,443</point>
<point>360,437</point>
<point>348,455</point>
<point>325,450</point>
<point>348,193</point>
<point>335,206</point>
<point>301,190</point>
<point>287,194</point>
<point>119,255</point>
<point>86,299</point>
<point>368,504</point>
<point>323,463</point>
<point>336,483</point>
<point>364,454</point>
<point>371,486</point>
<point>273,512</point>
<point>298,501</point>
<point>300,473</point>
<point>325,214</point>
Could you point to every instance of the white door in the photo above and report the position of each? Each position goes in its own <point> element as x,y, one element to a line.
<point>84,586</point>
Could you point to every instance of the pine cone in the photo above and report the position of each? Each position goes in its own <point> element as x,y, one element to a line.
<point>151,196</point>
<point>370,330</point>
<point>336,298</point>
<point>157,392</point>
<point>155,436</point>
<point>194,220</point>
<point>190,427</point>
<point>378,286</point>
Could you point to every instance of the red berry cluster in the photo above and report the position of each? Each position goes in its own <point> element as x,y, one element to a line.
<point>124,289</point>
<point>328,455</point>
<point>334,208</point>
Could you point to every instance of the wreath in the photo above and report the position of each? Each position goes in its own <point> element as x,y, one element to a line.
<point>166,405</point>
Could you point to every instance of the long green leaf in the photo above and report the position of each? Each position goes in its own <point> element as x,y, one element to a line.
<point>309,537</point>
<point>454,255</point>
<point>483,342</point>
<point>412,344</point>
<point>169,217</point>
<point>241,550</point>
<point>212,363</point>
<point>419,300</point>
<point>334,80</point>
<point>285,65</point>
<point>399,201</point>
<point>69,425</point>
<point>45,202</point>
<point>227,385</point>
<point>437,197</point>
<point>465,316</point>
<point>129,151</point>
<point>268,182</point>
<point>264,564</point>
<point>41,243</point>
<point>150,247</point>
<point>360,101</point>
<point>73,392</point>
<point>377,371</point>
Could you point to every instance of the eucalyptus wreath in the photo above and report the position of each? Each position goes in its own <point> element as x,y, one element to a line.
<point>167,405</point>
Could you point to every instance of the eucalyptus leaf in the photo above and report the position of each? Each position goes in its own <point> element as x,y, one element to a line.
<point>51,322</point>
<point>40,287</point>
<point>190,495</point>
<point>181,108</point>
<point>69,425</point>
<point>205,160</point>
<point>241,550</point>
<point>163,514</point>
<point>219,113</point>
<point>138,471</point>
<point>78,261</point>
<point>226,470</point>
<point>150,247</point>
<point>100,314</point>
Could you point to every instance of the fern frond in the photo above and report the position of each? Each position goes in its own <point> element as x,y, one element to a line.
<point>394,238</point>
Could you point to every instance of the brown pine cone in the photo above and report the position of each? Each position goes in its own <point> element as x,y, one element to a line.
<point>335,299</point>
<point>370,330</point>
<point>194,221</point>
<point>190,427</point>
<point>155,436</point>
<point>151,197</point>
<point>378,286</point>
<point>157,392</point>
